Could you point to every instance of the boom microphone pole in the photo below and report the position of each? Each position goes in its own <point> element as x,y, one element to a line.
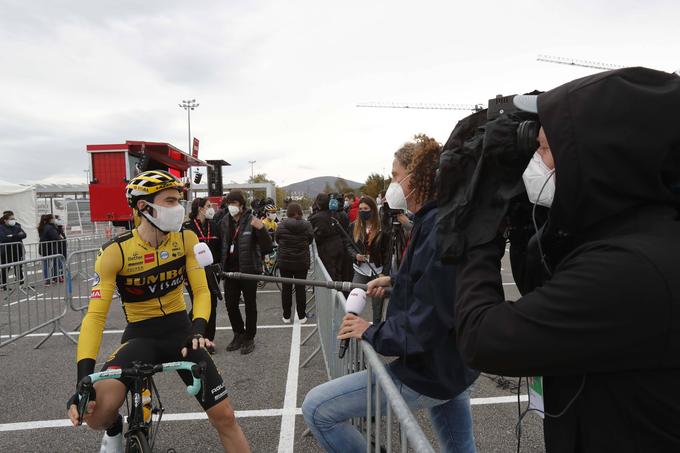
<point>339,286</point>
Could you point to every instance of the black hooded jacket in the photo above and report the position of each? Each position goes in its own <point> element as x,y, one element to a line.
<point>604,330</point>
<point>294,237</point>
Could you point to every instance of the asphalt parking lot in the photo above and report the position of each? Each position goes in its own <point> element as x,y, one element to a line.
<point>266,388</point>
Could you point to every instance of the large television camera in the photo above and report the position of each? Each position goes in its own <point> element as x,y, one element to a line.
<point>480,174</point>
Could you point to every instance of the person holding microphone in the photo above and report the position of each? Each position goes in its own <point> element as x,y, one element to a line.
<point>418,329</point>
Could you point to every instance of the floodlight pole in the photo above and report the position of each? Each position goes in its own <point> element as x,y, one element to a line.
<point>189,105</point>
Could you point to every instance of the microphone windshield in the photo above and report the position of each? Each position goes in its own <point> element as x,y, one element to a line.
<point>356,301</point>
<point>203,254</point>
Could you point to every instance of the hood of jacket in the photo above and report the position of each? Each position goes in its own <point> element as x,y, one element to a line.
<point>615,141</point>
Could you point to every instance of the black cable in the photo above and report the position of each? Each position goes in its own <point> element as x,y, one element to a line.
<point>518,426</point>
<point>533,218</point>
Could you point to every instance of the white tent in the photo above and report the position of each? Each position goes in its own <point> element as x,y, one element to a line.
<point>21,201</point>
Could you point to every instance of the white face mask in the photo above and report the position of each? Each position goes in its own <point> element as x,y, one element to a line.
<point>11,222</point>
<point>395,195</point>
<point>234,210</point>
<point>271,216</point>
<point>167,219</point>
<point>209,213</point>
<point>539,181</point>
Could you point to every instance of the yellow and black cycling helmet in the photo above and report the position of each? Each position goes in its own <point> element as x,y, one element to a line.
<point>149,183</point>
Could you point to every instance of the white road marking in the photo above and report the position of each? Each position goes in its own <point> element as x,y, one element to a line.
<point>187,416</point>
<point>115,331</point>
<point>498,400</point>
<point>287,432</point>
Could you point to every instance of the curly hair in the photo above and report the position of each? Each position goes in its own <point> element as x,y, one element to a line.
<point>423,168</point>
<point>404,155</point>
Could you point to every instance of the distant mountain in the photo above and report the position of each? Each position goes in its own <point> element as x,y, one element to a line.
<point>312,187</point>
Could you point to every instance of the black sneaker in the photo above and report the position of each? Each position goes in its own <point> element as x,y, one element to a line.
<point>236,343</point>
<point>248,346</point>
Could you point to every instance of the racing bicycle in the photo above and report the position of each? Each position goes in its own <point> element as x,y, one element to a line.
<point>143,400</point>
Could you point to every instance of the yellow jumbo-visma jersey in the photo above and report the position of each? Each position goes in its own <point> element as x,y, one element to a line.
<point>150,282</point>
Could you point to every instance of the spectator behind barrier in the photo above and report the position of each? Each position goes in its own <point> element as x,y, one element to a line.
<point>51,243</point>
<point>429,371</point>
<point>11,247</point>
<point>369,248</point>
<point>604,328</point>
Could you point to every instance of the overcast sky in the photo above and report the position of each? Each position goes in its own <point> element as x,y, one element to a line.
<point>278,81</point>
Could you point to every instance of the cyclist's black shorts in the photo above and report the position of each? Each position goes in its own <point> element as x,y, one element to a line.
<point>159,340</point>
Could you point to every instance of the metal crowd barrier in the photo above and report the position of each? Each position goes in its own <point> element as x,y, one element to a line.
<point>80,273</point>
<point>330,309</point>
<point>38,285</point>
<point>32,297</point>
<point>16,251</point>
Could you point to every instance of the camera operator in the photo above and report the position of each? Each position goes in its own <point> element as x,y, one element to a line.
<point>418,330</point>
<point>604,328</point>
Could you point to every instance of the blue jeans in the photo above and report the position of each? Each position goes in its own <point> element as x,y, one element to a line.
<point>329,407</point>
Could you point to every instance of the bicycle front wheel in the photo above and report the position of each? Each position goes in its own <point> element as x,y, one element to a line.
<point>137,443</point>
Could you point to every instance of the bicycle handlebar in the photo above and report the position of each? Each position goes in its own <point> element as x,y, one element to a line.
<point>142,371</point>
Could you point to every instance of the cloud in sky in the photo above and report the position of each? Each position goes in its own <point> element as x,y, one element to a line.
<point>278,81</point>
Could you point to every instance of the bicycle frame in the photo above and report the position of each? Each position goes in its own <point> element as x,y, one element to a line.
<point>142,377</point>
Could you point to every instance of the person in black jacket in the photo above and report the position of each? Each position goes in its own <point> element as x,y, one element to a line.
<point>604,329</point>
<point>244,241</point>
<point>11,246</point>
<point>51,243</point>
<point>419,330</point>
<point>328,238</point>
<point>201,222</point>
<point>294,235</point>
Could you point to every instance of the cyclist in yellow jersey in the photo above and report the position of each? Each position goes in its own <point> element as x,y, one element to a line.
<point>148,267</point>
<point>270,221</point>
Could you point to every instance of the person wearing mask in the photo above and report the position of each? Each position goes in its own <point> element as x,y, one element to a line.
<point>244,242</point>
<point>158,327</point>
<point>327,236</point>
<point>368,247</point>
<point>11,247</point>
<point>419,330</point>
<point>402,159</point>
<point>294,235</point>
<point>49,245</point>
<point>201,222</point>
<point>270,220</point>
<point>603,328</point>
<point>338,213</point>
